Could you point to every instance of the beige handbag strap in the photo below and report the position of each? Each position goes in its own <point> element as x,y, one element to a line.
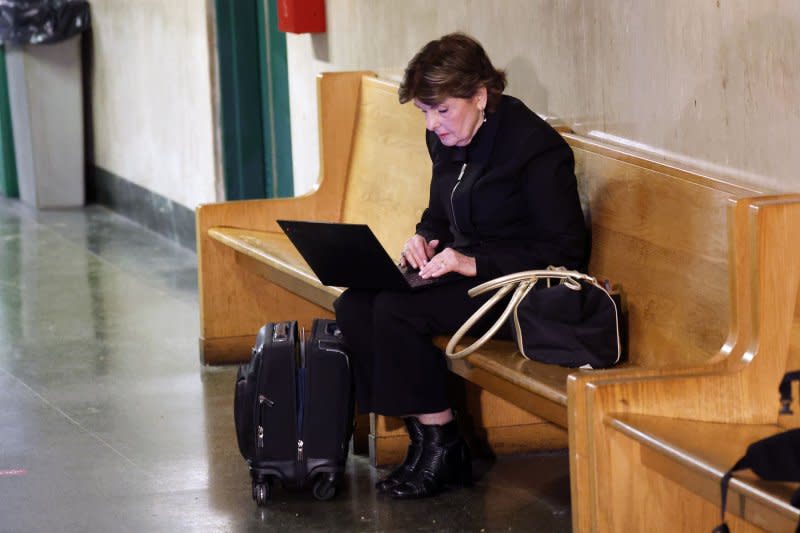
<point>523,282</point>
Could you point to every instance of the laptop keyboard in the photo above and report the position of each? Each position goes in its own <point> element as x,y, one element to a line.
<point>415,280</point>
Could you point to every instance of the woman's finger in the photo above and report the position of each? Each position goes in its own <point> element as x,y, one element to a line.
<point>420,256</point>
<point>437,266</point>
<point>449,261</point>
<point>430,248</point>
<point>412,253</point>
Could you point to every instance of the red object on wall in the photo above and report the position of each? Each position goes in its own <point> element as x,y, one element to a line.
<point>301,16</point>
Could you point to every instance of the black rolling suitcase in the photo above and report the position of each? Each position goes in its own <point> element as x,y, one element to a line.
<point>293,409</point>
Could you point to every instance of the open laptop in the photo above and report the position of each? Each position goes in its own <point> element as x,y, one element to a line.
<point>349,255</point>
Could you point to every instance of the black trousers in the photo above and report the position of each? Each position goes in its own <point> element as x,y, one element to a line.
<point>397,370</point>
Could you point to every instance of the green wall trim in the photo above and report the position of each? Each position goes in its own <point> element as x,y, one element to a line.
<point>9,186</point>
<point>254,96</point>
<point>240,97</point>
<point>278,129</point>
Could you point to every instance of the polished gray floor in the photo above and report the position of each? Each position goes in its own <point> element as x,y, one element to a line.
<point>108,423</point>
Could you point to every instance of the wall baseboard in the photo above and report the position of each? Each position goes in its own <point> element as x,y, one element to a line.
<point>151,210</point>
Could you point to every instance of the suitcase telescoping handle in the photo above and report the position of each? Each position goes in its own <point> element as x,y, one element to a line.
<point>280,332</point>
<point>332,329</point>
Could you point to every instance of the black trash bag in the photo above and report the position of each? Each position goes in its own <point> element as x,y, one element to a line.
<point>42,21</point>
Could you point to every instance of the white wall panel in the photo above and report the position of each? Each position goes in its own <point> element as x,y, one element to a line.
<point>151,103</point>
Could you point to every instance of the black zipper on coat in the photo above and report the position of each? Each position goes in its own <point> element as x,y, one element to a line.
<point>453,207</point>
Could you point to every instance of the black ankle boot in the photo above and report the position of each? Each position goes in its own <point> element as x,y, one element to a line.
<point>400,475</point>
<point>445,461</point>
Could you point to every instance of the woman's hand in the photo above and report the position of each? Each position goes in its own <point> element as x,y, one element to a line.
<point>417,251</point>
<point>449,261</point>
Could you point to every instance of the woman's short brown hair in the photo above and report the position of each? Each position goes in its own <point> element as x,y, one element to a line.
<point>454,66</point>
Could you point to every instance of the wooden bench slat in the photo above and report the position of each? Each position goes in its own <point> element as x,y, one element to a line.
<point>276,258</point>
<point>271,248</point>
<point>702,452</point>
<point>501,358</point>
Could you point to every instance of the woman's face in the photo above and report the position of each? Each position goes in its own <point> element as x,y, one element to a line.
<point>455,120</point>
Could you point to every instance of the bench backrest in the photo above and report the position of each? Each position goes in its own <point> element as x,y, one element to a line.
<point>662,234</point>
<point>389,170</point>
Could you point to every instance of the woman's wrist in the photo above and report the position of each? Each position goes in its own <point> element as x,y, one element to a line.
<point>470,267</point>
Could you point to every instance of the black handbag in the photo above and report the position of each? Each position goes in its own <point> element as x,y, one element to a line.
<point>574,322</point>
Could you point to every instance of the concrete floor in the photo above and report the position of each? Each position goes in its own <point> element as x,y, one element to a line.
<point>108,423</point>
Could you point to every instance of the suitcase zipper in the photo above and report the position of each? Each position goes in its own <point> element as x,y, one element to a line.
<point>334,347</point>
<point>280,333</point>
<point>262,400</point>
<point>301,393</point>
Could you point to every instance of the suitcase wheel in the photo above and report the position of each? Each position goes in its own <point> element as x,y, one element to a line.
<point>261,493</point>
<point>325,486</point>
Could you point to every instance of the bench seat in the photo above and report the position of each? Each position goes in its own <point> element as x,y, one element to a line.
<point>277,259</point>
<point>695,455</point>
<point>538,388</point>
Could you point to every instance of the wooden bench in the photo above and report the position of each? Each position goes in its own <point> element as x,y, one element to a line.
<point>659,441</point>
<point>660,232</point>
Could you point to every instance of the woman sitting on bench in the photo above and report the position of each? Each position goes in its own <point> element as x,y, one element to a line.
<point>503,198</point>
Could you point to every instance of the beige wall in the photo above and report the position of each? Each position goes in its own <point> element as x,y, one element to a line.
<point>151,96</point>
<point>713,84</point>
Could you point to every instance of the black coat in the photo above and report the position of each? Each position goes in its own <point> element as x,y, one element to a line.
<point>516,206</point>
